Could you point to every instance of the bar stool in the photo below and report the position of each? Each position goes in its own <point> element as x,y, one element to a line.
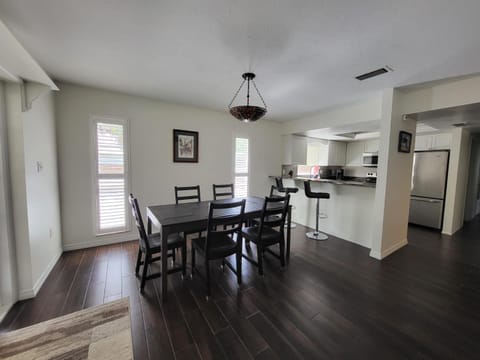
<point>316,235</point>
<point>285,190</point>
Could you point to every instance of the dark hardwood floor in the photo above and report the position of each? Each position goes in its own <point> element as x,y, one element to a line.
<point>331,301</point>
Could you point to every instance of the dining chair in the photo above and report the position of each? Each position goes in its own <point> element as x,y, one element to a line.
<point>151,245</point>
<point>223,237</point>
<point>223,191</point>
<point>188,194</point>
<point>185,194</point>
<point>270,231</point>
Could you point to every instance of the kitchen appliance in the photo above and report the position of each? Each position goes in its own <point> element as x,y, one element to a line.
<point>328,172</point>
<point>371,177</point>
<point>370,159</point>
<point>340,174</point>
<point>429,181</point>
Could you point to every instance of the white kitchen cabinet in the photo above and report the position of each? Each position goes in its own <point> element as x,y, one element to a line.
<point>442,141</point>
<point>372,145</point>
<point>336,153</point>
<point>294,150</point>
<point>433,142</point>
<point>354,152</point>
<point>317,152</point>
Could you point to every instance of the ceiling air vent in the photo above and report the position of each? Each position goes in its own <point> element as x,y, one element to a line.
<point>374,73</point>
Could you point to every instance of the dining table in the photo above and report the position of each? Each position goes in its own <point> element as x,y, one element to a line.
<point>193,217</point>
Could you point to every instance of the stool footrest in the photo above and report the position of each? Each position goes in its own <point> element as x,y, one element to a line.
<point>317,235</point>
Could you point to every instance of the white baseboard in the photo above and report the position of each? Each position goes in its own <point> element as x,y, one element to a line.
<point>95,243</point>
<point>382,255</point>
<point>4,309</point>
<point>30,293</point>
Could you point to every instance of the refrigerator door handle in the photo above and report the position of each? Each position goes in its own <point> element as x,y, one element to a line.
<point>426,200</point>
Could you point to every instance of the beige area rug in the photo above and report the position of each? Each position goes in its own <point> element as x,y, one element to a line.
<point>101,332</point>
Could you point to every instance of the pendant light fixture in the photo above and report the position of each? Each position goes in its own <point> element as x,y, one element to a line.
<point>248,113</point>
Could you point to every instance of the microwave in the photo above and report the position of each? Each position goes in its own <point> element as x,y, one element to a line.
<point>370,159</point>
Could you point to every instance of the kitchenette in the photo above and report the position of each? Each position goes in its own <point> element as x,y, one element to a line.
<point>345,170</point>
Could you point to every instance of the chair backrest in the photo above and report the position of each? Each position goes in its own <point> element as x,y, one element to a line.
<point>190,194</point>
<point>224,218</point>
<point>274,212</point>
<point>308,189</point>
<point>137,215</point>
<point>273,191</point>
<point>279,183</point>
<point>223,191</point>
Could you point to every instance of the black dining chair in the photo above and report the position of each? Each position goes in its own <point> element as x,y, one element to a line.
<point>270,231</point>
<point>224,191</point>
<point>188,194</point>
<point>223,237</point>
<point>151,245</point>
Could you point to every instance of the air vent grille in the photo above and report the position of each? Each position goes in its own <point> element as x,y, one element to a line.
<point>374,73</point>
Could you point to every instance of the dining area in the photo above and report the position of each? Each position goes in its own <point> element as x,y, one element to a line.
<point>225,231</point>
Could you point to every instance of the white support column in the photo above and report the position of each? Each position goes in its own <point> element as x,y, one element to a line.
<point>392,196</point>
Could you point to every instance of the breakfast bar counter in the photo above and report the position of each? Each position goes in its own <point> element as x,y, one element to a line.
<point>349,210</point>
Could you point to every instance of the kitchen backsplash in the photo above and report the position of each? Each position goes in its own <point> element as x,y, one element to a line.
<point>356,171</point>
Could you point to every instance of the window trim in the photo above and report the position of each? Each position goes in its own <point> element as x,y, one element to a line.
<point>234,152</point>
<point>94,119</point>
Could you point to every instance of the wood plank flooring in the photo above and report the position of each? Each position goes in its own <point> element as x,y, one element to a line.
<point>331,301</point>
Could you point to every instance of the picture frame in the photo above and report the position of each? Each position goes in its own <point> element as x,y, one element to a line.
<point>185,146</point>
<point>404,142</point>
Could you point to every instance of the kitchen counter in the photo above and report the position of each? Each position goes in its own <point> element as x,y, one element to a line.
<point>331,181</point>
<point>349,209</point>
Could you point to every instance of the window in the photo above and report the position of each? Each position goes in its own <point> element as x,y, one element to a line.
<point>241,167</point>
<point>111,175</point>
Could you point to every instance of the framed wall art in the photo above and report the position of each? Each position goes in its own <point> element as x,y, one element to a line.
<point>185,146</point>
<point>404,142</point>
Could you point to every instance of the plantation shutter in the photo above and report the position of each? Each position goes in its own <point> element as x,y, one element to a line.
<point>241,167</point>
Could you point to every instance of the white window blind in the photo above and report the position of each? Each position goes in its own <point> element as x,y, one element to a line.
<point>111,176</point>
<point>241,167</point>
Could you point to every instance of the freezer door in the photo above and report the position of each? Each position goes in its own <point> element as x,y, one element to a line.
<point>426,212</point>
<point>429,174</point>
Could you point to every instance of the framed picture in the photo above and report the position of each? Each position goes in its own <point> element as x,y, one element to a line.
<point>185,146</point>
<point>404,142</point>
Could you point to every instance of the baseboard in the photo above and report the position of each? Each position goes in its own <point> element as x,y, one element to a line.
<point>30,293</point>
<point>382,255</point>
<point>4,309</point>
<point>89,244</point>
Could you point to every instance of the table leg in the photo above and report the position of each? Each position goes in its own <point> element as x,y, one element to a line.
<point>289,230</point>
<point>164,262</point>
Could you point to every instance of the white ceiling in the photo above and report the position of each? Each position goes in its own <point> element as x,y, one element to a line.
<point>305,52</point>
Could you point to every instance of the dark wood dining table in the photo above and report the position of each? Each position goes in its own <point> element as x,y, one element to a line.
<point>192,217</point>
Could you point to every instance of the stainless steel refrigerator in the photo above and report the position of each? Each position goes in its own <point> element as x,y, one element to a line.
<point>429,181</point>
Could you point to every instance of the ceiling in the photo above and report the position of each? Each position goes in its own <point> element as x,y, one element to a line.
<point>306,53</point>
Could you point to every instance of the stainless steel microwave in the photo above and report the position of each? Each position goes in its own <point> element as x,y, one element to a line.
<point>370,159</point>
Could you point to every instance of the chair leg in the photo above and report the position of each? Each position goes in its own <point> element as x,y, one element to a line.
<point>173,254</point>
<point>193,259</point>
<point>144,272</point>
<point>207,270</point>
<point>139,259</point>
<point>184,258</point>
<point>239,266</point>
<point>260,259</point>
<point>282,252</point>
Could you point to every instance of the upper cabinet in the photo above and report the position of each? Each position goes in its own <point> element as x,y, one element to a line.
<point>372,145</point>
<point>355,150</point>
<point>294,150</point>
<point>300,150</point>
<point>433,142</point>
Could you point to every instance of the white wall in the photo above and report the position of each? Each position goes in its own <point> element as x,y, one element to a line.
<point>35,196</point>
<point>472,202</point>
<point>153,173</point>
<point>458,169</point>
<point>8,282</point>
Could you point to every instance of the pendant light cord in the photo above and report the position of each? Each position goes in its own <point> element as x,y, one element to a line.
<point>240,88</point>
